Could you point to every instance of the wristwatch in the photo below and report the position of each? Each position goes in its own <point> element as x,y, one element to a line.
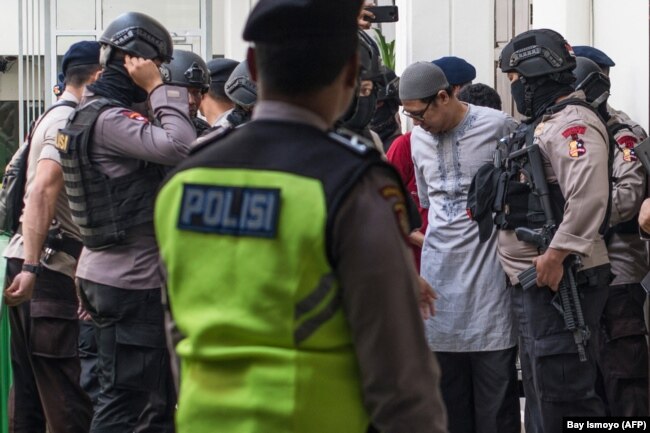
<point>34,269</point>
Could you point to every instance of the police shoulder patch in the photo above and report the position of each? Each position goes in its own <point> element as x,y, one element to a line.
<point>576,144</point>
<point>394,194</point>
<point>134,115</point>
<point>626,142</point>
<point>230,210</point>
<point>62,142</point>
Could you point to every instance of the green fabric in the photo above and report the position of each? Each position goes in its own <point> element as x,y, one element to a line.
<point>5,356</point>
<point>236,298</point>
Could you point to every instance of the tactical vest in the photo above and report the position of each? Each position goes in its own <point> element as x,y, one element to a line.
<point>267,344</point>
<point>516,205</point>
<point>103,207</point>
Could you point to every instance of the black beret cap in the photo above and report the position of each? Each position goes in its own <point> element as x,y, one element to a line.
<point>81,53</point>
<point>220,69</point>
<point>276,21</point>
<point>593,54</point>
<point>457,70</point>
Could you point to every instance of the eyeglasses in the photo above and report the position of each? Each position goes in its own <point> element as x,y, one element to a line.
<point>419,116</point>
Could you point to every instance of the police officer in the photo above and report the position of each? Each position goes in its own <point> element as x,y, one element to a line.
<point>215,103</point>
<point>574,149</point>
<point>295,319</point>
<point>189,70</point>
<point>242,91</point>
<point>113,161</point>
<point>623,348</point>
<point>386,121</point>
<point>362,109</point>
<point>605,62</point>
<point>42,295</point>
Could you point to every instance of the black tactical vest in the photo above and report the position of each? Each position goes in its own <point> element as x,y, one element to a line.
<point>516,205</point>
<point>103,207</point>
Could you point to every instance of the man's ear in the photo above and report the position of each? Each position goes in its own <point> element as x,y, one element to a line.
<point>443,96</point>
<point>252,66</point>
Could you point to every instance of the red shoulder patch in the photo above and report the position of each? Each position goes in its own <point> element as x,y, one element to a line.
<point>576,145</point>
<point>574,130</point>
<point>134,115</point>
<point>628,141</point>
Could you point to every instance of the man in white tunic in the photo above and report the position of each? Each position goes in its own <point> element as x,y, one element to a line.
<point>472,332</point>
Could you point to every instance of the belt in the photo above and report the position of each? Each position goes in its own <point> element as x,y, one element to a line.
<point>68,245</point>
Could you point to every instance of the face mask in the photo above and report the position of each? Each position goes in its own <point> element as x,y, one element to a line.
<point>519,96</point>
<point>383,122</point>
<point>361,117</point>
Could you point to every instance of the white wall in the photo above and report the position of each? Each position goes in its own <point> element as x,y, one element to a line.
<point>429,29</point>
<point>9,24</point>
<point>571,18</point>
<point>620,31</point>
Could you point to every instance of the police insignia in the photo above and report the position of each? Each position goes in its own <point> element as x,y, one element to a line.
<point>62,141</point>
<point>629,155</point>
<point>626,143</point>
<point>576,145</point>
<point>395,195</point>
<point>228,210</point>
<point>135,116</point>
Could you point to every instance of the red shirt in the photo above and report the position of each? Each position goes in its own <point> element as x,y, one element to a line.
<point>399,154</point>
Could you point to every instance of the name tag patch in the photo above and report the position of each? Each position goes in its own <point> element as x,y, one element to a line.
<point>227,210</point>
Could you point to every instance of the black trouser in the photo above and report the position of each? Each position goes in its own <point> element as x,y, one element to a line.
<point>88,359</point>
<point>137,392</point>
<point>623,357</point>
<point>44,332</point>
<point>556,383</point>
<point>480,391</point>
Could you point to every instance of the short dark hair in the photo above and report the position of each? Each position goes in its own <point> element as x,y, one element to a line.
<point>480,94</point>
<point>77,76</point>
<point>218,95</point>
<point>302,65</point>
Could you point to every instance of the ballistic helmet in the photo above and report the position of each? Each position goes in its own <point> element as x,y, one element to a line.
<point>138,35</point>
<point>387,84</point>
<point>187,69</point>
<point>240,88</point>
<point>536,53</point>
<point>591,80</point>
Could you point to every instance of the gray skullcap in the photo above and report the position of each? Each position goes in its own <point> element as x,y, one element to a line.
<point>421,80</point>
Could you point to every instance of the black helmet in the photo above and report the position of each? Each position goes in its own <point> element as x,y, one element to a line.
<point>368,58</point>
<point>139,35</point>
<point>537,52</point>
<point>584,68</point>
<point>240,88</point>
<point>388,84</point>
<point>591,80</point>
<point>188,70</point>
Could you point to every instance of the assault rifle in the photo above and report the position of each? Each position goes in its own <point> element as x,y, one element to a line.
<point>569,299</point>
